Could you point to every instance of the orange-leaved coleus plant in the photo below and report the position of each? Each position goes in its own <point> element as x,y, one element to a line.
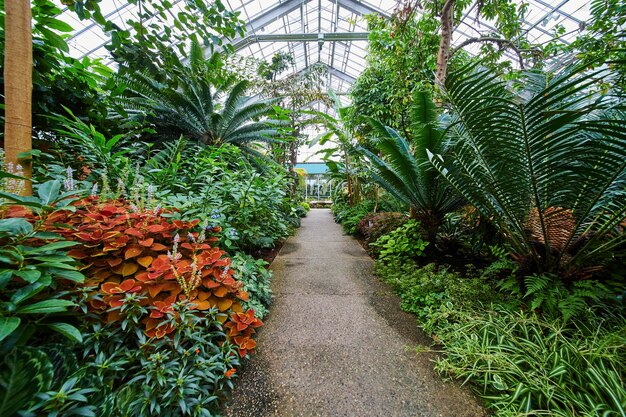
<point>126,250</point>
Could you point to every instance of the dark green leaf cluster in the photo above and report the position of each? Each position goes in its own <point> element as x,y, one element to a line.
<point>403,243</point>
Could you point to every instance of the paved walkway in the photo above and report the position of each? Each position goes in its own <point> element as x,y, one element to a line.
<point>336,343</point>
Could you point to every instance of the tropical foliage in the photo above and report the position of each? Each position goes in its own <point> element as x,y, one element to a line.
<point>192,108</point>
<point>133,282</point>
<point>545,163</point>
<point>403,170</point>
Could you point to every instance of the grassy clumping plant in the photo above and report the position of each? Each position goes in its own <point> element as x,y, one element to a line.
<point>552,351</point>
<point>527,365</point>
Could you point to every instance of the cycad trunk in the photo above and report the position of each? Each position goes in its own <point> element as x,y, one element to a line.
<point>431,222</point>
<point>18,84</point>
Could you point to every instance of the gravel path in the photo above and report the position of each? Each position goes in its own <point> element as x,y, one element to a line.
<point>336,342</point>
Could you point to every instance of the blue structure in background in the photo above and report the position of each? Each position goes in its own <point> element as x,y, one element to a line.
<point>312,168</point>
<point>317,184</point>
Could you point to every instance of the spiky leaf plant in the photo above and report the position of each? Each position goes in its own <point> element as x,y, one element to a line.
<point>189,104</point>
<point>545,161</point>
<point>402,167</point>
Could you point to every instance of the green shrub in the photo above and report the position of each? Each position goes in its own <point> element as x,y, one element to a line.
<point>349,217</point>
<point>433,293</point>
<point>374,225</point>
<point>256,278</point>
<point>185,375</point>
<point>36,275</point>
<point>303,208</point>
<point>403,243</point>
<point>253,211</point>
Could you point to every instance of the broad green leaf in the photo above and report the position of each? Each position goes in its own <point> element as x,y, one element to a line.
<point>8,175</point>
<point>47,235</point>
<point>55,40</point>
<point>54,258</point>
<point>5,277</point>
<point>68,274</point>
<point>27,201</point>
<point>29,291</point>
<point>49,191</point>
<point>29,275</point>
<point>46,306</point>
<point>59,25</point>
<point>58,265</point>
<point>68,331</point>
<point>53,246</point>
<point>8,325</point>
<point>17,226</point>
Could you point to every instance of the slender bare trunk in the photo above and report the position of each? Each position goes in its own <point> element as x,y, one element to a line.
<point>447,26</point>
<point>349,182</point>
<point>18,84</point>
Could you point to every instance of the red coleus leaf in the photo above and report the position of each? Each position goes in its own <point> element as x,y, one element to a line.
<point>126,286</point>
<point>132,251</point>
<point>156,228</point>
<point>134,232</point>
<point>145,261</point>
<point>113,261</point>
<point>161,263</point>
<point>147,243</point>
<point>143,277</point>
<point>209,283</point>
<point>77,254</point>
<point>157,247</point>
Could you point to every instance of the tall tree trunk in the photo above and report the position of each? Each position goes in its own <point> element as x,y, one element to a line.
<point>447,26</point>
<point>348,181</point>
<point>18,84</point>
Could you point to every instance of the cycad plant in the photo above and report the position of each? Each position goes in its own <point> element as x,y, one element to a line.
<point>545,161</point>
<point>188,104</point>
<point>403,169</point>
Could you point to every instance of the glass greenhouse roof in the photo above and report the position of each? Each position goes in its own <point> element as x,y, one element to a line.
<point>329,31</point>
<point>332,32</point>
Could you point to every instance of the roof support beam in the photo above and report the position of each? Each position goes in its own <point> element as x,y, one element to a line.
<point>302,37</point>
<point>263,20</point>
<point>306,52</point>
<point>341,75</point>
<point>336,73</point>
<point>358,7</point>
<point>274,14</point>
